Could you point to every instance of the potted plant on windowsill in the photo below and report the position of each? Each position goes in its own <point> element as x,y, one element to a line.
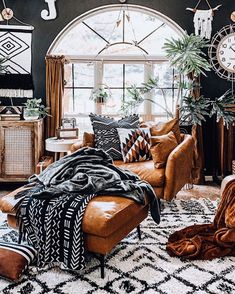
<point>34,109</point>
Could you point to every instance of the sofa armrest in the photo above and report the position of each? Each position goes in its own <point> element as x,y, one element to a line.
<point>178,167</point>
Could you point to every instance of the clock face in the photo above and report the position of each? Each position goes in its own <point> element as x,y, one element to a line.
<point>222,53</point>
<point>226,53</point>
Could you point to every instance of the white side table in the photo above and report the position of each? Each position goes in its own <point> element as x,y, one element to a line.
<point>59,146</point>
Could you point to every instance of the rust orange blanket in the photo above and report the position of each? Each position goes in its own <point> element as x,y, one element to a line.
<point>208,241</point>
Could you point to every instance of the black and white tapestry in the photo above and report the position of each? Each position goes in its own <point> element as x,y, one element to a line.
<point>137,266</point>
<point>15,44</point>
<point>16,48</point>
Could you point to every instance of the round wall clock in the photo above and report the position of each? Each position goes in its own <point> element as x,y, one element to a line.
<point>222,52</point>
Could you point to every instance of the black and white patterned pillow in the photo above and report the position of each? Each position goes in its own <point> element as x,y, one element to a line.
<point>135,144</point>
<point>106,135</point>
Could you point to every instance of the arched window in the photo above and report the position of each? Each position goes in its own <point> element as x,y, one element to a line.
<point>116,47</point>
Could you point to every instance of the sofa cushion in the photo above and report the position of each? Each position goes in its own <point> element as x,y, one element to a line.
<point>106,135</point>
<point>135,144</point>
<point>14,259</point>
<point>161,147</point>
<point>106,214</point>
<point>146,171</point>
<point>163,128</point>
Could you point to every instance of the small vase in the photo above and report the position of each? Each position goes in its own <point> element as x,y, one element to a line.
<point>31,113</point>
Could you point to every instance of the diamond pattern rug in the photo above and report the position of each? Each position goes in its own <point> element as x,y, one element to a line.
<point>137,266</point>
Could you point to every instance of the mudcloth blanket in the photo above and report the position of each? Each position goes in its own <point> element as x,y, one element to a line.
<point>51,212</point>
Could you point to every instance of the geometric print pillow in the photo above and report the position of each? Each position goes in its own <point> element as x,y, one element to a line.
<point>106,135</point>
<point>135,144</point>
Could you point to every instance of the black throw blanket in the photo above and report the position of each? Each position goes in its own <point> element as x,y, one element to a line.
<point>52,210</point>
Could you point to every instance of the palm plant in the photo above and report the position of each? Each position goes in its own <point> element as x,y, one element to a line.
<point>187,56</point>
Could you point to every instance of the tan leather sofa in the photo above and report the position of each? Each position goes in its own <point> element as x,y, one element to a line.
<point>167,181</point>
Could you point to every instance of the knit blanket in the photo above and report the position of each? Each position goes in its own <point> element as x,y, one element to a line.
<point>52,210</point>
<point>208,241</point>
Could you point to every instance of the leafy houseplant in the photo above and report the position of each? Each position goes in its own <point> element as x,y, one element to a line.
<point>224,108</point>
<point>34,109</point>
<point>136,97</point>
<point>187,56</point>
<point>101,94</point>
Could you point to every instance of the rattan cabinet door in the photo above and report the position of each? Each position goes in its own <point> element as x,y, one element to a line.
<point>21,147</point>
<point>17,159</point>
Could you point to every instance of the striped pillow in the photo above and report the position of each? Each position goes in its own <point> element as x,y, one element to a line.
<point>14,259</point>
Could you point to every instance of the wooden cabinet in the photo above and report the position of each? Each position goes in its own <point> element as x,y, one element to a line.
<point>21,147</point>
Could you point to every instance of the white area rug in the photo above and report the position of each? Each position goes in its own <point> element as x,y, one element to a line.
<point>138,266</point>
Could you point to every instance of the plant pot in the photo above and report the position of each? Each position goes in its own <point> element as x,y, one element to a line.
<point>31,113</point>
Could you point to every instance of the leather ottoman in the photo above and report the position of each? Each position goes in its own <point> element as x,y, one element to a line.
<point>107,220</point>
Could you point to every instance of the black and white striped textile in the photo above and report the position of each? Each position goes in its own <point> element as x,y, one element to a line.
<point>28,252</point>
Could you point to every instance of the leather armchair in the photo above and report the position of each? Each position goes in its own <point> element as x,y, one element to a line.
<point>167,181</point>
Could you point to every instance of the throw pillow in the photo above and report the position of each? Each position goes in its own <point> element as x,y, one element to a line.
<point>14,259</point>
<point>159,129</point>
<point>106,135</point>
<point>135,144</point>
<point>88,140</point>
<point>161,147</point>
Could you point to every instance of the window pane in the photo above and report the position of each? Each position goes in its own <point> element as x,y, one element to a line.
<point>82,101</point>
<point>134,74</point>
<point>68,101</point>
<point>113,106</point>
<point>165,75</point>
<point>164,101</point>
<point>79,40</point>
<point>104,24</point>
<point>68,76</point>
<point>113,75</point>
<point>84,75</point>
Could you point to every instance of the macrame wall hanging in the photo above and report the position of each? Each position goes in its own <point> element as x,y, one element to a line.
<point>203,19</point>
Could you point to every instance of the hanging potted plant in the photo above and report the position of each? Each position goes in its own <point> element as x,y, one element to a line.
<point>101,94</point>
<point>34,109</point>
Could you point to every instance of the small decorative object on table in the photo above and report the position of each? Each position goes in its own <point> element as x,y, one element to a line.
<point>233,167</point>
<point>34,109</point>
<point>68,123</point>
<point>67,133</point>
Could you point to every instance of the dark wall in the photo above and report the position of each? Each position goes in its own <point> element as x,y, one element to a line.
<point>46,31</point>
